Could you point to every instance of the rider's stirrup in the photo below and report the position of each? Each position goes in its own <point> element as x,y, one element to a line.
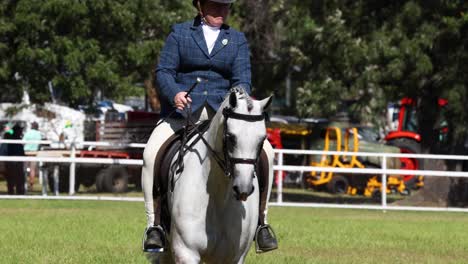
<point>152,248</point>
<point>270,231</point>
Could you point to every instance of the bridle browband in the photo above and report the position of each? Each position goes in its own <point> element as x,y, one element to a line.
<point>228,113</point>
<point>230,161</point>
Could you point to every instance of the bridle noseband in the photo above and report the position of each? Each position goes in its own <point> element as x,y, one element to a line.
<point>230,161</point>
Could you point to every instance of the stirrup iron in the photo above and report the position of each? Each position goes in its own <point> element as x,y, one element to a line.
<point>145,236</point>
<point>259,228</point>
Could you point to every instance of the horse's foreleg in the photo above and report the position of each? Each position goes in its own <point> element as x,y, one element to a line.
<point>166,258</point>
<point>182,253</point>
<point>160,258</point>
<point>186,256</point>
<point>242,258</point>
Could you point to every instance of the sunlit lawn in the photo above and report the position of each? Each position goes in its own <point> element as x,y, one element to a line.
<point>110,232</point>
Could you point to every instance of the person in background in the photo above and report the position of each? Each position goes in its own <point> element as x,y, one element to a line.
<point>15,170</point>
<point>32,134</point>
<point>4,134</point>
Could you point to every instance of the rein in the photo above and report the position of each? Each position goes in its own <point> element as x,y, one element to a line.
<point>189,91</point>
<point>227,163</point>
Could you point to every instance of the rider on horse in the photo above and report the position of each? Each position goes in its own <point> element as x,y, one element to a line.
<point>204,48</point>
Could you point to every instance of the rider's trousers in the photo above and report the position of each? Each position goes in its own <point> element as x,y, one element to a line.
<point>159,135</point>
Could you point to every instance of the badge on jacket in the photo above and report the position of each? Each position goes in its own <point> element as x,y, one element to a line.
<point>225,42</point>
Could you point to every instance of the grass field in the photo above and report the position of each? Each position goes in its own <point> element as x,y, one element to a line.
<point>110,232</point>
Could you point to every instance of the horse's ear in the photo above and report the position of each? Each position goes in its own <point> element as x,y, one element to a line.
<point>233,99</point>
<point>265,103</point>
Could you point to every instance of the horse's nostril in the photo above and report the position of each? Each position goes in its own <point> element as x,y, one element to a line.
<point>253,189</point>
<point>236,190</point>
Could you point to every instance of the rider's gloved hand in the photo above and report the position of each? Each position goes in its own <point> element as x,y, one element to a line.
<point>180,101</point>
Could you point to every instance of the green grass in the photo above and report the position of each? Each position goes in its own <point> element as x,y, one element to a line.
<point>110,232</point>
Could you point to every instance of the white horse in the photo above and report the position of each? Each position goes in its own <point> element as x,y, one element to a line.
<point>212,219</point>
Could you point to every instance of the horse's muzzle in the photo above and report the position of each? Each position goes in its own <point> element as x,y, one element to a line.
<point>242,196</point>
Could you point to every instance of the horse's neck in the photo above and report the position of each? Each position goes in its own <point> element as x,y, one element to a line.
<point>214,134</point>
<point>217,182</point>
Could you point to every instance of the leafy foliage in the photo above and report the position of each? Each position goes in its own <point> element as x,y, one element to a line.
<point>374,52</point>
<point>83,47</point>
<point>368,53</point>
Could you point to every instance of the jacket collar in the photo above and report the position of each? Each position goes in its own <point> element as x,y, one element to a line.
<point>221,41</point>
<point>197,22</point>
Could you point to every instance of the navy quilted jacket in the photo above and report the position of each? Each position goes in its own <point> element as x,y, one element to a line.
<point>185,57</point>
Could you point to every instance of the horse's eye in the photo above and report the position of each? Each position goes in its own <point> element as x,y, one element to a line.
<point>231,139</point>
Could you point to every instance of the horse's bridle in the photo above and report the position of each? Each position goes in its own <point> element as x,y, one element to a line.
<point>230,161</point>
<point>227,163</point>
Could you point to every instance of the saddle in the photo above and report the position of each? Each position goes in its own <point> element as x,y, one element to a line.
<point>164,168</point>
<point>163,165</point>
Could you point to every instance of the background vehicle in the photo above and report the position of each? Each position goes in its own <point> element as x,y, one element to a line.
<point>59,123</point>
<point>293,133</point>
<point>407,138</point>
<point>117,129</point>
<point>344,137</point>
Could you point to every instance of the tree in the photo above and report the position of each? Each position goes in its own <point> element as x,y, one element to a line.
<point>85,48</point>
<point>258,19</point>
<point>7,65</point>
<point>374,52</point>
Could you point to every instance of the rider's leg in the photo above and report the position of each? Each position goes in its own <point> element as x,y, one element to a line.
<point>270,157</point>
<point>153,235</point>
<point>157,138</point>
<point>154,232</point>
<point>266,241</point>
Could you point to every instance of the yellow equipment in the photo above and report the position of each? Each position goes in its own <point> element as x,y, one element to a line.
<point>350,184</point>
<point>394,183</point>
<point>336,183</point>
<point>327,160</point>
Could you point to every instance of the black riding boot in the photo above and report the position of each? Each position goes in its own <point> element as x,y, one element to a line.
<point>264,236</point>
<point>155,237</point>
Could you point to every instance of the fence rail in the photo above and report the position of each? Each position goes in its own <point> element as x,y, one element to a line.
<point>278,167</point>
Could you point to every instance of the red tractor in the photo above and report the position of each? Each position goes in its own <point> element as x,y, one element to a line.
<point>407,138</point>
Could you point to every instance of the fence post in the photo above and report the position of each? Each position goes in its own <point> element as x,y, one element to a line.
<point>280,178</point>
<point>71,190</point>
<point>384,182</point>
<point>43,178</point>
<point>56,180</point>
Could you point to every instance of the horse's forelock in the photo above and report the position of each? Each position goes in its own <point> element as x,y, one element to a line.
<point>248,100</point>
<point>243,95</point>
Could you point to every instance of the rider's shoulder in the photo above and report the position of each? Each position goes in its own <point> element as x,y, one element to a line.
<point>182,28</point>
<point>237,34</point>
<point>187,27</point>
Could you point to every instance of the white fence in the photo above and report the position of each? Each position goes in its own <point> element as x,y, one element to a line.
<point>279,167</point>
<point>383,171</point>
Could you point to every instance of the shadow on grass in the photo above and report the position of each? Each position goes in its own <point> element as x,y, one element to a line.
<point>310,196</point>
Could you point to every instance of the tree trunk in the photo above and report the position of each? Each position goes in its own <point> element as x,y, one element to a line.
<point>458,195</point>
<point>153,95</point>
<point>436,190</point>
